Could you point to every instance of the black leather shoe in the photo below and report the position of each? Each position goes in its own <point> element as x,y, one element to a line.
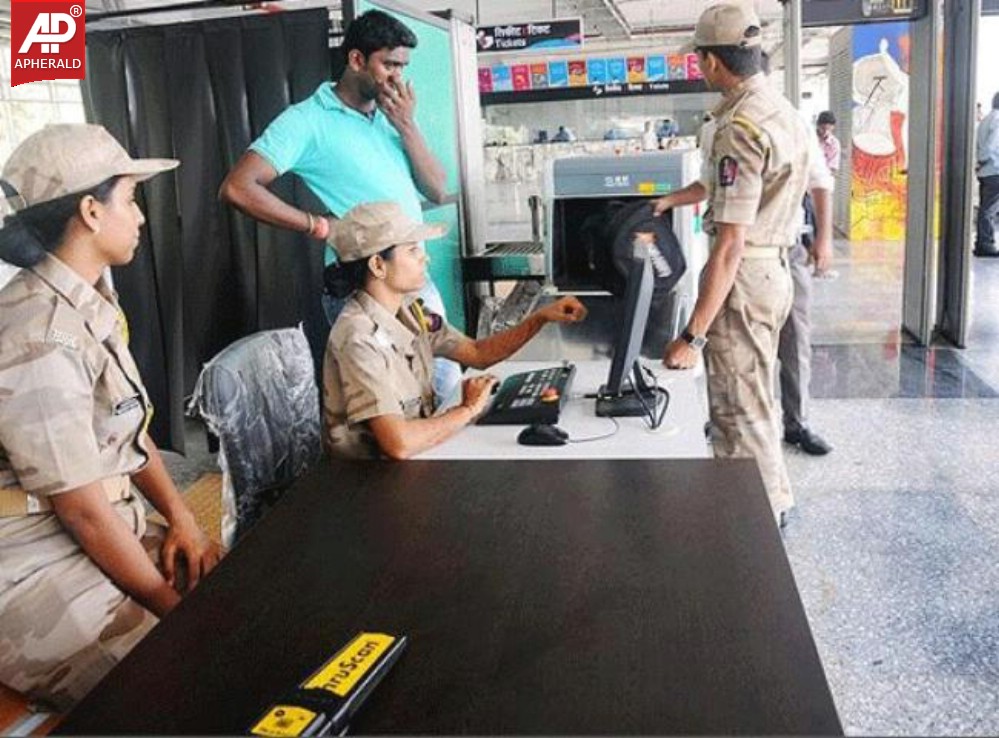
<point>810,443</point>
<point>991,251</point>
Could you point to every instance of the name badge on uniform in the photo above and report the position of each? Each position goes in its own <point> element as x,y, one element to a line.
<point>62,338</point>
<point>728,170</point>
<point>383,339</point>
<point>128,405</point>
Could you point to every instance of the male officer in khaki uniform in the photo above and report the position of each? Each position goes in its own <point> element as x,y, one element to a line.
<point>377,375</point>
<point>759,169</point>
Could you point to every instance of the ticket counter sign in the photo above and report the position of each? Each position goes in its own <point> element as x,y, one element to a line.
<point>565,33</point>
<point>579,79</point>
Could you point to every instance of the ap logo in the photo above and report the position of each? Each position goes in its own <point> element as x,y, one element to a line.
<point>48,41</point>
<point>50,30</point>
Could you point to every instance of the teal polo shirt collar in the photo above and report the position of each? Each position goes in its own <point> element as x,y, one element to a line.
<point>329,100</point>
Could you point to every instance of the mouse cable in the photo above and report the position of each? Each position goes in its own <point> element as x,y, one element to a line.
<point>617,427</point>
<point>656,412</point>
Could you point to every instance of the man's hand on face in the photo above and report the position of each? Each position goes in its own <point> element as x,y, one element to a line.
<point>398,101</point>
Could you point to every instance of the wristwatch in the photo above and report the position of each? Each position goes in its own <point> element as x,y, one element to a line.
<point>696,342</point>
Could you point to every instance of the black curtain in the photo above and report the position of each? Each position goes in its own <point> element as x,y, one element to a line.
<point>206,275</point>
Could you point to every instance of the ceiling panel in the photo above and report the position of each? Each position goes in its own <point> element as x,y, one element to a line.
<point>648,14</point>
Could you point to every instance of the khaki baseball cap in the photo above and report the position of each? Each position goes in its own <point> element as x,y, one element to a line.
<point>727,24</point>
<point>372,227</point>
<point>67,158</point>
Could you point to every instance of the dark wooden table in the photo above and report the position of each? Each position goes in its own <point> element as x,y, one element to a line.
<point>596,597</point>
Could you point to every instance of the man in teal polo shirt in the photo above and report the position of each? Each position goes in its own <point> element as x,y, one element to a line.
<point>351,142</point>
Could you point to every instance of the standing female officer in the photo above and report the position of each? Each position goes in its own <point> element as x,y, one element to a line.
<point>77,587</point>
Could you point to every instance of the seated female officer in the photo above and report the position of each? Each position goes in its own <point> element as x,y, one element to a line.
<point>377,392</point>
<point>77,586</point>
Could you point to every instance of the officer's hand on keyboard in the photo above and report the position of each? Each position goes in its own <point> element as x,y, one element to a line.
<point>477,391</point>
<point>565,310</point>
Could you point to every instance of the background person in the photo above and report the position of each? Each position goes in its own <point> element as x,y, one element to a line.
<point>79,583</point>
<point>351,142</point>
<point>377,395</point>
<point>825,128</point>
<point>987,170</point>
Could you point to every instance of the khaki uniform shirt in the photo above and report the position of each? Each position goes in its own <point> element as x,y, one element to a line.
<point>760,162</point>
<point>379,364</point>
<point>73,409</point>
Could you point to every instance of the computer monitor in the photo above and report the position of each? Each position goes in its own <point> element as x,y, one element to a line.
<point>620,396</point>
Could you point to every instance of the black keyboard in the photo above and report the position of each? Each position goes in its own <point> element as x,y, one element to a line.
<point>531,397</point>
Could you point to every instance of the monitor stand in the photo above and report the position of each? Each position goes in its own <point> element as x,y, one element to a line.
<point>627,403</point>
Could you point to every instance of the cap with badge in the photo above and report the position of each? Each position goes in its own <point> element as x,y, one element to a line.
<point>69,158</point>
<point>371,228</point>
<point>727,24</point>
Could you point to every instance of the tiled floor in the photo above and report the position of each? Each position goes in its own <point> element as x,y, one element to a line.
<point>895,540</point>
<point>863,304</point>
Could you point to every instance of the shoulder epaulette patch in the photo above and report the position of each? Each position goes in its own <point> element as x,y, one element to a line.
<point>748,126</point>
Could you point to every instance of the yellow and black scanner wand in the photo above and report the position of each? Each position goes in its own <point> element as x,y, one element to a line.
<point>326,701</point>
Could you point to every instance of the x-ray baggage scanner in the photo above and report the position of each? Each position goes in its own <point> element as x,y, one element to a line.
<point>591,199</point>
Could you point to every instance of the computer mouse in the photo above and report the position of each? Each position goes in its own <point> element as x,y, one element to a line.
<point>542,435</point>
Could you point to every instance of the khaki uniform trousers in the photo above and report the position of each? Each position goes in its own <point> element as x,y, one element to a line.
<point>63,623</point>
<point>741,359</point>
<point>795,348</point>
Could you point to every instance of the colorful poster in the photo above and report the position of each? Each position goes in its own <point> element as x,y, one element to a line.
<point>877,143</point>
<point>636,69</point>
<point>558,74</point>
<point>502,78</point>
<point>617,70</point>
<point>693,67</point>
<point>655,68</point>
<point>677,66</point>
<point>521,76</point>
<point>596,71</point>
<point>539,75</point>
<point>485,79</point>
<point>577,73</point>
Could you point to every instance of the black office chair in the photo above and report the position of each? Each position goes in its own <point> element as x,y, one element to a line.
<point>259,397</point>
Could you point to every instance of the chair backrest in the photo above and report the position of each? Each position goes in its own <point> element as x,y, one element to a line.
<point>259,396</point>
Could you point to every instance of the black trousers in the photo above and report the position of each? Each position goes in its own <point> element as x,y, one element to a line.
<point>988,210</point>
